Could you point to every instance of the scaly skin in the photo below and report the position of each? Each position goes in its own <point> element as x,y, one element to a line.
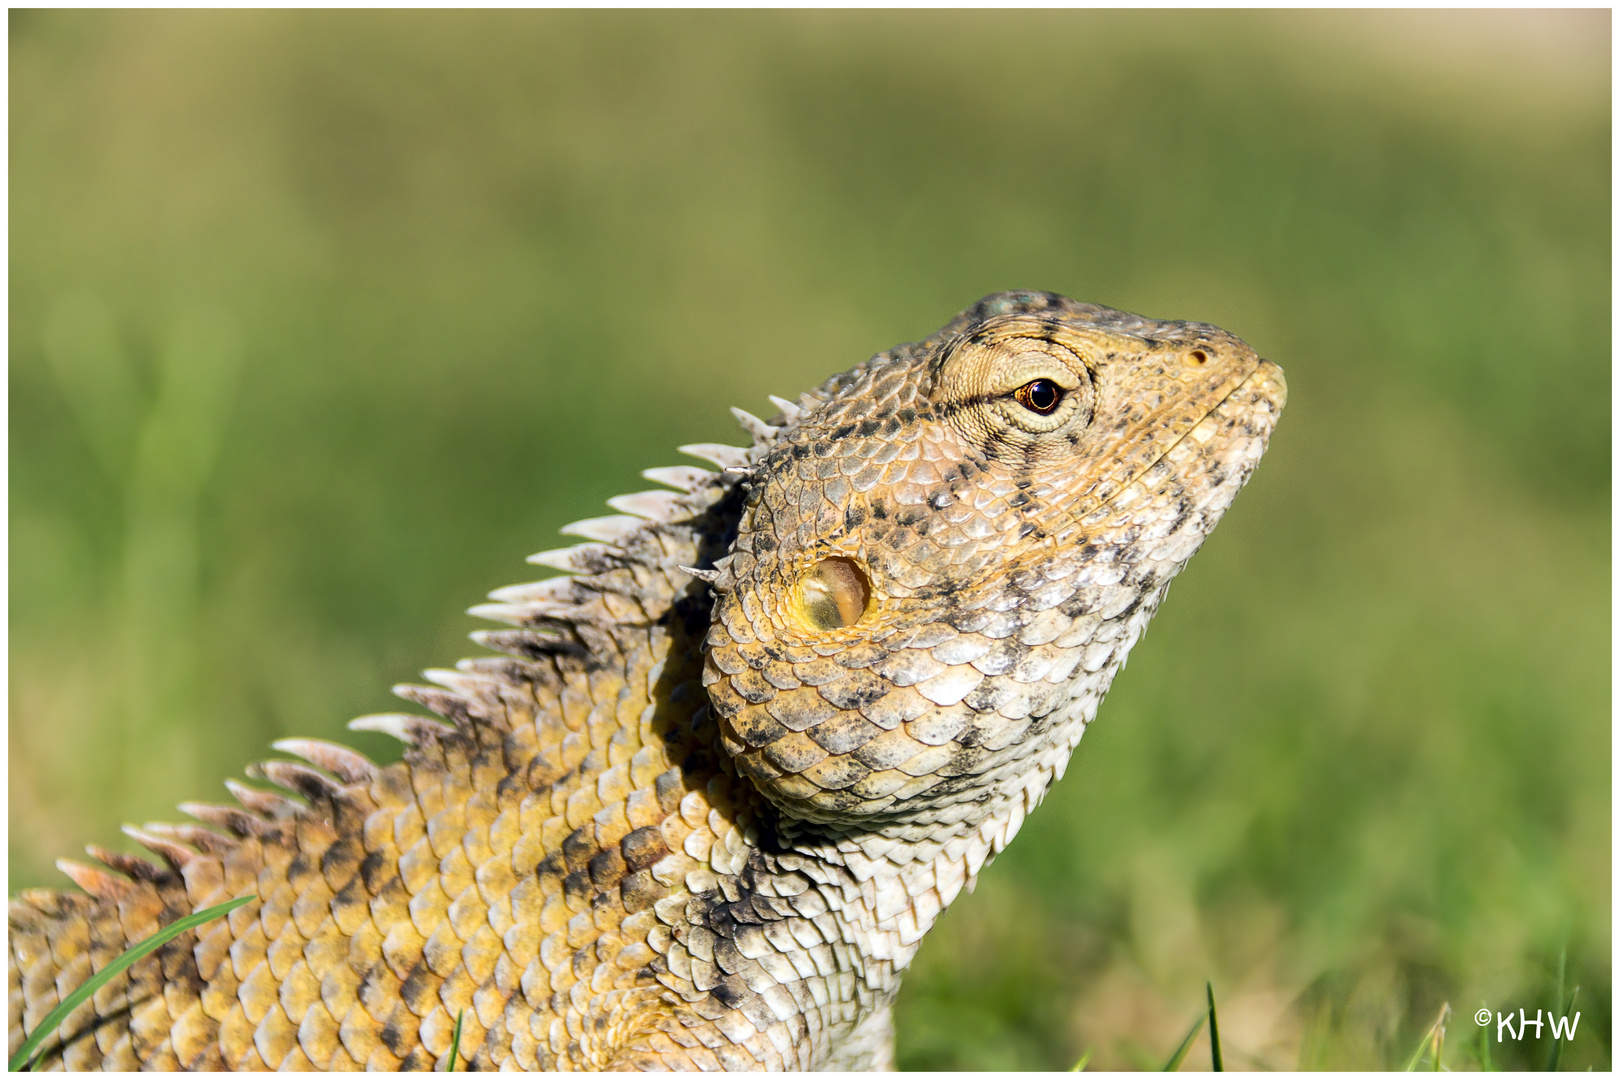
<point>734,767</point>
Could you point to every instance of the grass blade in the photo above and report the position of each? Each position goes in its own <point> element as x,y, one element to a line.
<point>1558,1003</point>
<point>455,1042</point>
<point>1558,1044</point>
<point>1417,1055</point>
<point>24,1056</point>
<point>1186,1044</point>
<point>1434,1039</point>
<point>1214,1031</point>
<point>1080,1066</point>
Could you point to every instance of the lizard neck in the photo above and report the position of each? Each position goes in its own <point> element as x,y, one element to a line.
<point>890,882</point>
<point>888,886</point>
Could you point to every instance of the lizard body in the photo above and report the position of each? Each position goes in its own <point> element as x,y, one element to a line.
<point>731,767</point>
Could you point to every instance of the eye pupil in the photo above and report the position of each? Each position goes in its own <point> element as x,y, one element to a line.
<point>1041,396</point>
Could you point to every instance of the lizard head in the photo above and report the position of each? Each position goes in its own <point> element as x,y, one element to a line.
<point>943,559</point>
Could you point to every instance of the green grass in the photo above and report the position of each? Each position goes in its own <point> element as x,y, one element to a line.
<point>1208,1016</point>
<point>1186,1044</point>
<point>1433,1043</point>
<point>23,1059</point>
<point>1215,1062</point>
<point>455,1042</point>
<point>321,321</point>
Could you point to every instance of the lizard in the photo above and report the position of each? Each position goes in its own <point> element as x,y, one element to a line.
<point>722,775</point>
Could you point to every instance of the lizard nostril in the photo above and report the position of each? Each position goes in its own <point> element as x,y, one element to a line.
<point>834,594</point>
<point>1197,358</point>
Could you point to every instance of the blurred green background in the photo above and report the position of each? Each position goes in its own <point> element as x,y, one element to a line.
<point>320,322</point>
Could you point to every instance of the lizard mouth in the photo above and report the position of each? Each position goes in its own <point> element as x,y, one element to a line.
<point>1249,410</point>
<point>1264,390</point>
<point>1246,411</point>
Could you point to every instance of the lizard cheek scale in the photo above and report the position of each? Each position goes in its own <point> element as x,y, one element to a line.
<point>728,769</point>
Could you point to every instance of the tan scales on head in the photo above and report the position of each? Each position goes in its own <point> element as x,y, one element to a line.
<point>954,478</point>
<point>734,764</point>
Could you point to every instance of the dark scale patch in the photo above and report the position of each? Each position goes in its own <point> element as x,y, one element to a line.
<point>843,431</point>
<point>352,893</point>
<point>579,847</point>
<point>854,516</point>
<point>514,785</point>
<point>418,989</point>
<point>607,906</point>
<point>349,812</point>
<point>1080,604</point>
<point>853,693</point>
<point>551,870</point>
<point>969,783</point>
<point>178,957</point>
<point>608,869</point>
<point>299,868</point>
<point>1183,512</point>
<point>768,909</point>
<point>303,780</point>
<point>135,867</point>
<point>726,956</point>
<point>576,889</point>
<point>638,891</point>
<point>376,870</point>
<point>670,790</point>
<point>643,847</point>
<point>419,1060</point>
<point>394,1038</point>
<point>868,427</point>
<point>731,991</point>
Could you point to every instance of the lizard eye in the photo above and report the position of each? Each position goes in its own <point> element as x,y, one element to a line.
<point>1041,396</point>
